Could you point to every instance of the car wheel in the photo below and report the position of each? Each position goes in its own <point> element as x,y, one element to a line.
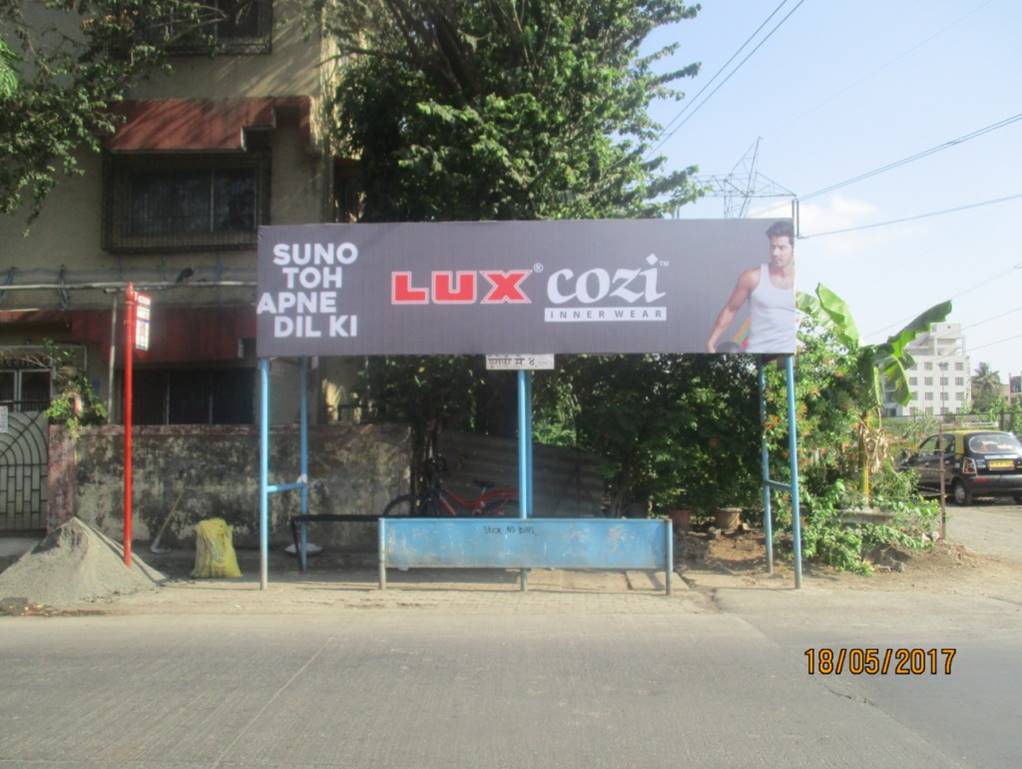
<point>961,494</point>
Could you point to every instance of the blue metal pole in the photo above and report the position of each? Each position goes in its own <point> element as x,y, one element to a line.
<point>264,472</point>
<point>529,466</point>
<point>523,450</point>
<point>669,566</point>
<point>382,553</point>
<point>768,527</point>
<point>303,384</point>
<point>523,459</point>
<point>303,468</point>
<point>796,525</point>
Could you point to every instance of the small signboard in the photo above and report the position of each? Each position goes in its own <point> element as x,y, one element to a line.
<point>519,362</point>
<point>143,312</point>
<point>4,427</point>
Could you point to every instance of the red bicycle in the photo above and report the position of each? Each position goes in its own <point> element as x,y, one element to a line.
<point>437,501</point>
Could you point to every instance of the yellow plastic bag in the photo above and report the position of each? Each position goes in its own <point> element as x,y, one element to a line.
<point>214,551</point>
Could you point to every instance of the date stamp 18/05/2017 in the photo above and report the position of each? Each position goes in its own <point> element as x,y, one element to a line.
<point>918,661</point>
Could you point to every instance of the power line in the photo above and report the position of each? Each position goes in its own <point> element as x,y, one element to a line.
<point>991,344</point>
<point>993,317</point>
<point>660,134</point>
<point>917,156</point>
<point>724,66</point>
<point>927,215</point>
<point>720,85</point>
<point>951,25</point>
<point>970,289</point>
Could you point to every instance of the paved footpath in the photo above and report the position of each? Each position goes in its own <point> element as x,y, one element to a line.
<point>992,528</point>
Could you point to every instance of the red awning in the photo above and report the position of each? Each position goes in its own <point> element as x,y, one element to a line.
<point>177,334</point>
<point>201,125</point>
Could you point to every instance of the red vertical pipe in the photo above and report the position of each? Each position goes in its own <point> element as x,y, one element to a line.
<point>129,354</point>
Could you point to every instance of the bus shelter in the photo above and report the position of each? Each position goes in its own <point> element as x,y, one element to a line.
<point>515,290</point>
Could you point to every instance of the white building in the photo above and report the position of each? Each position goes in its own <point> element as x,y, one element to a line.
<point>940,381</point>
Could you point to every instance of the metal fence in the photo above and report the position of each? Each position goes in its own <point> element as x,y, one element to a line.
<point>24,461</point>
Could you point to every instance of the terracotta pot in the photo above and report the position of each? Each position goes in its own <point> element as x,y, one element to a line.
<point>680,519</point>
<point>727,518</point>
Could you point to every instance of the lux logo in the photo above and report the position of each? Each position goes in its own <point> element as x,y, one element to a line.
<point>461,287</point>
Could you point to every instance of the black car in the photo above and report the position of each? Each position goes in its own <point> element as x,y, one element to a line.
<point>982,463</point>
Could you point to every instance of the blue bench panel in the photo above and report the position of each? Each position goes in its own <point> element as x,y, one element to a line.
<point>557,543</point>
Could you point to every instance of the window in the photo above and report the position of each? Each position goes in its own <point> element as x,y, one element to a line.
<point>928,366</point>
<point>225,26</point>
<point>928,380</point>
<point>959,396</point>
<point>25,389</point>
<point>943,380</point>
<point>960,381</point>
<point>944,396</point>
<point>959,366</point>
<point>194,396</point>
<point>182,203</point>
<point>912,380</point>
<point>929,396</point>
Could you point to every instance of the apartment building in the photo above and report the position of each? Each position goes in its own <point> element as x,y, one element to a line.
<point>205,155</point>
<point>940,381</point>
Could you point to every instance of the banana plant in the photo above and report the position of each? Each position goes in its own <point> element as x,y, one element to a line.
<point>876,365</point>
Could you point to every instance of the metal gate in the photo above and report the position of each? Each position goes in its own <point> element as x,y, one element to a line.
<point>24,460</point>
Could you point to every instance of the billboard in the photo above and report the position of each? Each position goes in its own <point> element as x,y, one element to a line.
<point>613,286</point>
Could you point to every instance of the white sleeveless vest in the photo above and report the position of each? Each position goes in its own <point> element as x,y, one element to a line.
<point>771,316</point>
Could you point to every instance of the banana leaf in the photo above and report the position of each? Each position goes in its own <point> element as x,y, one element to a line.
<point>840,317</point>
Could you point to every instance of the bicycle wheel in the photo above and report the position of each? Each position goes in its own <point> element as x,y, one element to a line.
<point>400,506</point>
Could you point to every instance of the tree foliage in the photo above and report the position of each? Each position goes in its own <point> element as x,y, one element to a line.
<point>8,75</point>
<point>987,384</point>
<point>461,110</point>
<point>63,66</point>
<point>672,430</point>
<point>875,366</point>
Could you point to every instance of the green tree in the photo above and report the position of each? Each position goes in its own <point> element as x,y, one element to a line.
<point>671,430</point>
<point>874,365</point>
<point>986,384</point>
<point>8,75</point>
<point>460,110</point>
<point>63,67</point>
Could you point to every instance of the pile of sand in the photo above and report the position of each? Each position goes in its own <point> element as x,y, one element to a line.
<point>75,563</point>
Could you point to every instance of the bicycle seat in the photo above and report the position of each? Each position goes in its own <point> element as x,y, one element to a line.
<point>484,485</point>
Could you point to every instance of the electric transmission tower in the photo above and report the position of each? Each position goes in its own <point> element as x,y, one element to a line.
<point>744,184</point>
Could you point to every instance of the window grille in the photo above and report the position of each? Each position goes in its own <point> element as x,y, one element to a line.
<point>185,203</point>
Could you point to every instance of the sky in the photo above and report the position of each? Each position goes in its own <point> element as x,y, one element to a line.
<point>842,88</point>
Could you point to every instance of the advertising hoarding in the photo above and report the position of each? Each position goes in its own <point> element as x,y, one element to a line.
<point>606,286</point>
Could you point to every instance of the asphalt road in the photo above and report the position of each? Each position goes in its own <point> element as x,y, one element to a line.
<point>992,528</point>
<point>559,680</point>
<point>609,687</point>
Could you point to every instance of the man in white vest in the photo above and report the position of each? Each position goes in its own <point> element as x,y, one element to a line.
<point>770,291</point>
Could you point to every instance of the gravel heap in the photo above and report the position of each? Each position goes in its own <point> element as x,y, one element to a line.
<point>75,563</point>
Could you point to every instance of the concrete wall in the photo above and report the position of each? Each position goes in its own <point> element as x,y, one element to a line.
<point>68,234</point>
<point>69,231</point>
<point>354,469</point>
<point>293,66</point>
